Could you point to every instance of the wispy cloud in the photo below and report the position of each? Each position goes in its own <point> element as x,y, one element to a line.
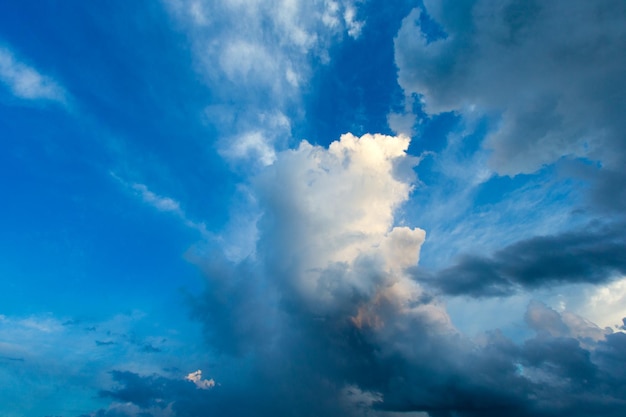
<point>327,308</point>
<point>257,57</point>
<point>26,82</point>
<point>164,204</point>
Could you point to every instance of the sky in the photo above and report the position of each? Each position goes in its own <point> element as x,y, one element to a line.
<point>312,208</point>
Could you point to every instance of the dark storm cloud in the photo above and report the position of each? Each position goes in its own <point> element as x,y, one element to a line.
<point>552,374</point>
<point>587,256</point>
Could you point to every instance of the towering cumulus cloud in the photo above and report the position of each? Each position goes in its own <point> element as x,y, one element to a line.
<point>326,284</point>
<point>328,230</point>
<point>322,318</point>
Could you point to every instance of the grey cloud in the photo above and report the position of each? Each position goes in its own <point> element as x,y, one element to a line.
<point>550,71</point>
<point>550,374</point>
<point>594,255</point>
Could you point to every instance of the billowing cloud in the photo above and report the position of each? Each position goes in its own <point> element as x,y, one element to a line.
<point>548,71</point>
<point>26,82</point>
<point>541,79</point>
<point>330,217</point>
<point>198,381</point>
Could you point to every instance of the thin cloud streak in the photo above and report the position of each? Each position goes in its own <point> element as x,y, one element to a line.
<point>26,82</point>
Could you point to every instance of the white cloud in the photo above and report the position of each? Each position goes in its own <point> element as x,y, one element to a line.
<point>329,230</point>
<point>254,146</point>
<point>606,304</point>
<point>164,204</point>
<point>354,26</point>
<point>196,378</point>
<point>159,202</point>
<point>26,82</point>
<point>259,54</point>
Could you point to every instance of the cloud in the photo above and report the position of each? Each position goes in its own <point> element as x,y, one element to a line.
<point>557,371</point>
<point>164,204</point>
<point>323,316</point>
<point>196,378</point>
<point>26,82</point>
<point>547,71</point>
<point>256,57</point>
<point>584,256</point>
<point>40,353</point>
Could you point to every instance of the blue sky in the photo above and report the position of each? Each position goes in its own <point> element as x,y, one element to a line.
<point>305,208</point>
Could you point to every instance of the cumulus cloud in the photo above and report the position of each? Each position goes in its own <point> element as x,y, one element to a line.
<point>334,209</point>
<point>323,316</point>
<point>26,82</point>
<point>548,71</point>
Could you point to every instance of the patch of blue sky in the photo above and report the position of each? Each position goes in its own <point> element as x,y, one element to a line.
<point>60,197</point>
<point>144,91</point>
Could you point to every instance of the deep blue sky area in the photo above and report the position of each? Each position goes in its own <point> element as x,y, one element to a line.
<point>312,208</point>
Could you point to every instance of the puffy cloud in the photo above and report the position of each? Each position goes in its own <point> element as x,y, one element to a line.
<point>549,71</point>
<point>606,304</point>
<point>328,226</point>
<point>196,378</point>
<point>26,82</point>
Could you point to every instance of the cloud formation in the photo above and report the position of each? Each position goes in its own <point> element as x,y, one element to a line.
<point>196,378</point>
<point>548,71</point>
<point>26,82</point>
<point>323,318</point>
<point>587,256</point>
<point>262,47</point>
<point>542,77</point>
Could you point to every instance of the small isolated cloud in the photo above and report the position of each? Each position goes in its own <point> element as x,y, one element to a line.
<point>196,378</point>
<point>158,202</point>
<point>26,82</point>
